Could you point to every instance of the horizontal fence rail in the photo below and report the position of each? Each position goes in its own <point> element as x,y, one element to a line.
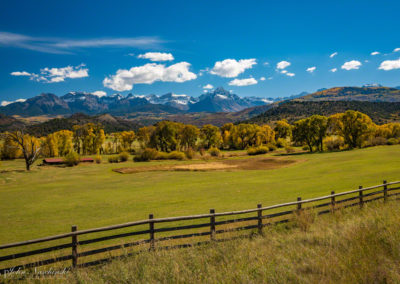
<point>352,198</point>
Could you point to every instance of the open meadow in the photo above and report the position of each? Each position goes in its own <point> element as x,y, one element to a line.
<point>48,200</point>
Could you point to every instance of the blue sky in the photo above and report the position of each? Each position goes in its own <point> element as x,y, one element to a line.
<point>62,46</point>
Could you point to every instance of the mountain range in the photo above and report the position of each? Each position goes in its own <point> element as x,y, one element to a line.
<point>218,100</point>
<point>217,107</point>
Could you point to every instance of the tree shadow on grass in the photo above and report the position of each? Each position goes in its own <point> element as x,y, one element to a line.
<point>309,153</point>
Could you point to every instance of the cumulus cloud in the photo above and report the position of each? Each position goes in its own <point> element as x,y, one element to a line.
<point>284,71</point>
<point>390,65</point>
<point>333,54</point>
<point>157,56</point>
<point>290,74</point>
<point>4,103</point>
<point>22,73</point>
<point>396,49</point>
<point>283,64</point>
<point>262,79</point>
<point>311,69</point>
<point>230,68</point>
<point>333,70</point>
<point>375,53</point>
<point>55,75</point>
<point>243,82</point>
<point>208,87</point>
<point>99,94</point>
<point>351,65</point>
<point>124,79</point>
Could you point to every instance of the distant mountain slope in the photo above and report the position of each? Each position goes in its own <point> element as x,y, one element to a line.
<point>110,123</point>
<point>48,104</point>
<point>370,94</point>
<point>221,100</point>
<point>78,102</point>
<point>218,100</point>
<point>380,112</point>
<point>8,123</point>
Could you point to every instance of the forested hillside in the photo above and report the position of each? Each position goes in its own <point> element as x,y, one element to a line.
<point>380,112</point>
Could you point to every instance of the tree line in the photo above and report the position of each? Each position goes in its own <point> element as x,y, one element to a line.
<point>347,130</point>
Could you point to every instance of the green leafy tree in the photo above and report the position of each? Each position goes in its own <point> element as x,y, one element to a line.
<point>211,136</point>
<point>188,136</point>
<point>353,126</point>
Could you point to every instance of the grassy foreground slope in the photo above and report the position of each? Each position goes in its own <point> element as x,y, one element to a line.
<point>348,247</point>
<point>48,200</point>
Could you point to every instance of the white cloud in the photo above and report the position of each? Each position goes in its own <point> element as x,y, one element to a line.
<point>396,49</point>
<point>333,70</point>
<point>208,86</point>
<point>124,79</point>
<point>230,68</point>
<point>390,65</point>
<point>262,79</point>
<point>284,71</point>
<point>4,103</point>
<point>18,73</point>
<point>55,75</point>
<point>266,63</point>
<point>283,64</point>
<point>351,65</point>
<point>290,74</point>
<point>333,54</point>
<point>157,56</point>
<point>64,46</point>
<point>99,94</point>
<point>243,82</point>
<point>311,69</point>
<point>375,53</point>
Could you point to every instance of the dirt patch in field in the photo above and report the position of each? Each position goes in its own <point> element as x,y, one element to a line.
<point>218,165</point>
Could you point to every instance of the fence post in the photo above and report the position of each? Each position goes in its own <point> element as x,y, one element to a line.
<point>74,228</point>
<point>333,201</point>
<point>361,196</point>
<point>298,204</point>
<point>259,215</point>
<point>212,225</point>
<point>151,227</point>
<point>385,190</point>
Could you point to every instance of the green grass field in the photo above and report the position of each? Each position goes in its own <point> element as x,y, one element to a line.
<point>48,200</point>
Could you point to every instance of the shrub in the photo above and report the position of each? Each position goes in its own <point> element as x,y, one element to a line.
<point>176,155</point>
<point>215,152</point>
<point>161,156</point>
<point>147,155</point>
<point>189,153</point>
<point>202,151</point>
<point>332,143</point>
<point>392,141</point>
<point>97,159</point>
<point>281,143</point>
<point>72,159</point>
<point>305,148</point>
<point>123,156</point>
<point>289,149</point>
<point>376,141</point>
<point>113,159</point>
<point>257,150</point>
<point>271,147</point>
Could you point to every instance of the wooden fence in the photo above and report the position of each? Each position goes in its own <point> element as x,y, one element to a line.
<point>216,224</point>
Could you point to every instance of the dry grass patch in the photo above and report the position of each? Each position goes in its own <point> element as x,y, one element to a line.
<point>259,163</point>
